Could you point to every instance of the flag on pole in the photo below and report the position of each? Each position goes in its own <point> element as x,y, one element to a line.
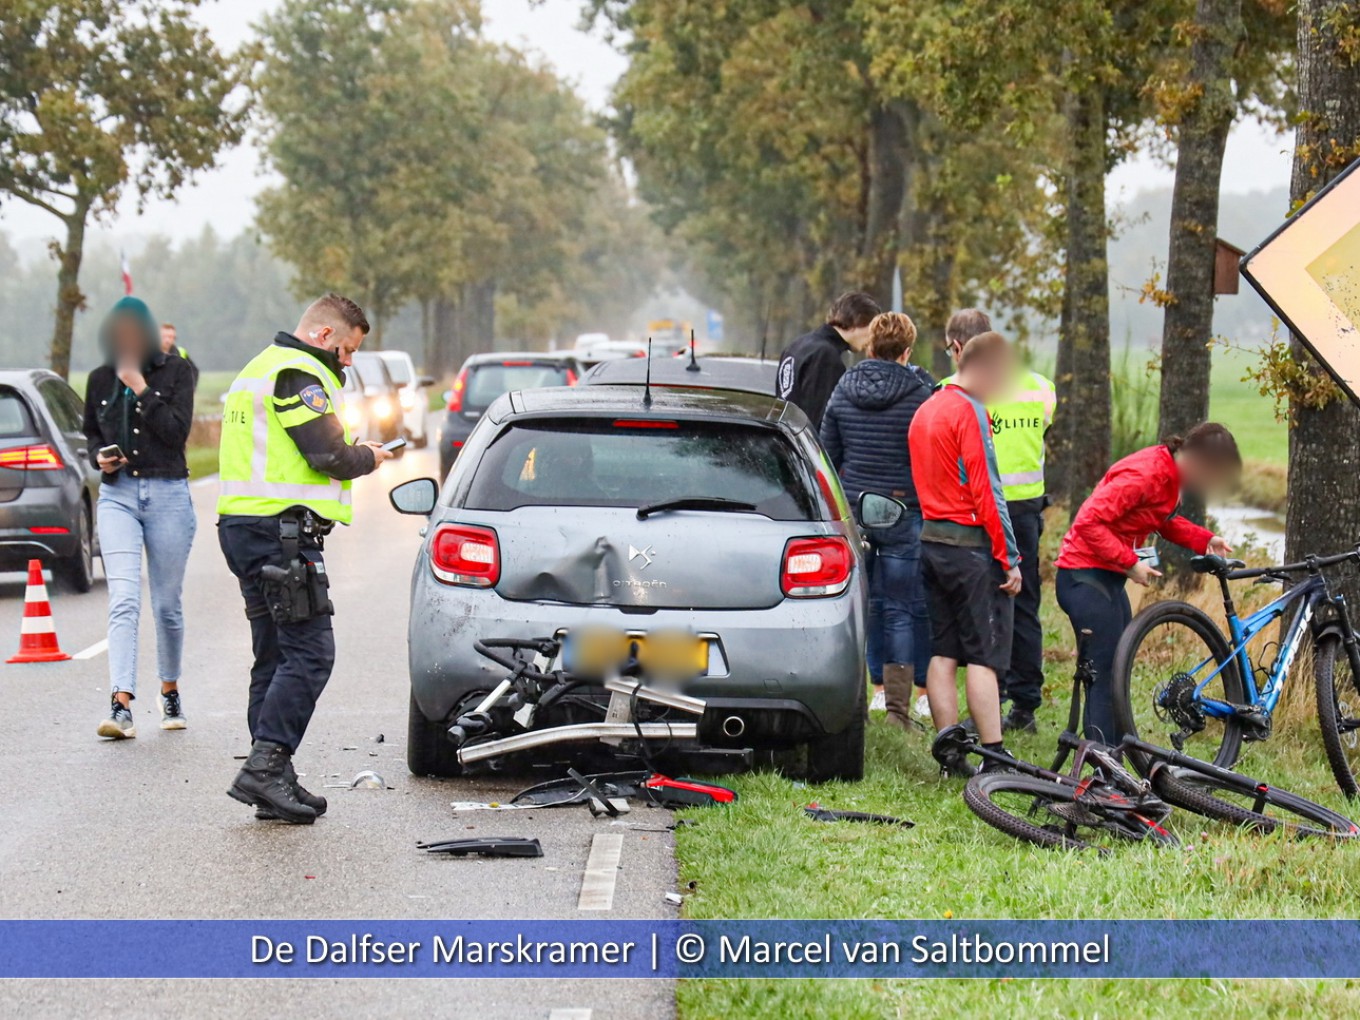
<point>127,272</point>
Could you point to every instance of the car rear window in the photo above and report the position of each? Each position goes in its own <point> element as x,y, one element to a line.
<point>14,417</point>
<point>487,382</point>
<point>604,463</point>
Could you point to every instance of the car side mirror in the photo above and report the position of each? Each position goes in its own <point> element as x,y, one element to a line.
<point>877,511</point>
<point>425,382</point>
<point>417,497</point>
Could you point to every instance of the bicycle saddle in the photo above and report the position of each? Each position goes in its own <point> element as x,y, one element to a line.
<point>1214,565</point>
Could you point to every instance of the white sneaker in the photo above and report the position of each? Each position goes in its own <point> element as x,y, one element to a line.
<point>880,702</point>
<point>172,712</point>
<point>922,707</point>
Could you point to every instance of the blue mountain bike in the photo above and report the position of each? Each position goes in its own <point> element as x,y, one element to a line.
<point>1178,678</point>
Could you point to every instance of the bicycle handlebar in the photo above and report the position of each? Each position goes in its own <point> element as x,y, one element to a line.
<point>1308,566</point>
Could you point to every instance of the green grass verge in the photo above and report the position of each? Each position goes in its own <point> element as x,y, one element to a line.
<point>762,858</point>
<point>1240,406</point>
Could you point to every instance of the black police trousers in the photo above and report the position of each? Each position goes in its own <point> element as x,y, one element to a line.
<point>1024,681</point>
<point>293,661</point>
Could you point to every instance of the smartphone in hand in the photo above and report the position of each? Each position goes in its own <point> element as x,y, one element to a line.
<point>114,452</point>
<point>394,445</point>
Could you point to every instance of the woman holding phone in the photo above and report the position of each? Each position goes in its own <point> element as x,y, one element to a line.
<point>139,406</point>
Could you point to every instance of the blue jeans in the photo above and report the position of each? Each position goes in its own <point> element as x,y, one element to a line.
<point>899,618</point>
<point>155,514</point>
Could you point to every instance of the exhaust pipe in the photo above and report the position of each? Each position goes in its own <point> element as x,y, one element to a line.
<point>733,726</point>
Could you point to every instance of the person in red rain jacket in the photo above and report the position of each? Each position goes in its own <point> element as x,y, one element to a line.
<point>968,553</point>
<point>1140,495</point>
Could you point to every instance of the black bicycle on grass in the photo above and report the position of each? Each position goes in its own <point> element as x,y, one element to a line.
<point>1176,673</point>
<point>1098,798</point>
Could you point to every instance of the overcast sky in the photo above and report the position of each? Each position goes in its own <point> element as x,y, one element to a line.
<point>1257,160</point>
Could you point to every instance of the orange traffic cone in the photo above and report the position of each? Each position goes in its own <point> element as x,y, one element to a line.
<point>38,635</point>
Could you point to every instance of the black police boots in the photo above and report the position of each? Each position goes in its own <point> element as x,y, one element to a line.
<point>263,783</point>
<point>314,801</point>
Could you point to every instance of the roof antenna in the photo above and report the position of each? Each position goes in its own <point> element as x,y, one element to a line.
<point>693,365</point>
<point>647,386</point>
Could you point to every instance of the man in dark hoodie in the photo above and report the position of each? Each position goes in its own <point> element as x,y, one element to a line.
<point>812,365</point>
<point>864,432</point>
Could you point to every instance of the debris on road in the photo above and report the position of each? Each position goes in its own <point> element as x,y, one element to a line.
<point>367,780</point>
<point>486,846</point>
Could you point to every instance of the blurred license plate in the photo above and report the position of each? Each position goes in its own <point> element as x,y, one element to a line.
<point>597,652</point>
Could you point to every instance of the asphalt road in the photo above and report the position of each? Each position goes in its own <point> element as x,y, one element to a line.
<point>144,829</point>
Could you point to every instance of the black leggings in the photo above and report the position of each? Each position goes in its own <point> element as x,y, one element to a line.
<point>1098,606</point>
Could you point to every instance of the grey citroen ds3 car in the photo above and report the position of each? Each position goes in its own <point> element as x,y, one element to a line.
<point>706,511</point>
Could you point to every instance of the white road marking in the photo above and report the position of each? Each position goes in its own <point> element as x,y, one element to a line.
<point>569,1013</point>
<point>98,648</point>
<point>602,870</point>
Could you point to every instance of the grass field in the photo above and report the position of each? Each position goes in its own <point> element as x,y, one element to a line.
<point>762,858</point>
<point>1240,406</point>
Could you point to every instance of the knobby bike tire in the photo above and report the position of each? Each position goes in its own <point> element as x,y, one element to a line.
<point>1198,622</point>
<point>980,790</point>
<point>1328,653</point>
<point>1306,818</point>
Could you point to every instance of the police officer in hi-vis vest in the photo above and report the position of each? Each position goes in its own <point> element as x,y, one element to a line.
<point>286,468</point>
<point>1018,427</point>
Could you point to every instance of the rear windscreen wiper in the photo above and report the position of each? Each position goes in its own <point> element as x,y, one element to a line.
<point>732,506</point>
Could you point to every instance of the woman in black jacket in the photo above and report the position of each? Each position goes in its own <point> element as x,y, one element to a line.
<point>141,401</point>
<point>864,432</point>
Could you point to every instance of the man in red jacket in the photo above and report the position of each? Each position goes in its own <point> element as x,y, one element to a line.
<point>968,551</point>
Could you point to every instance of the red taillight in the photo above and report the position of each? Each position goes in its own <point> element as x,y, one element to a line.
<point>31,458</point>
<point>639,354</point>
<point>571,378</point>
<point>456,394</point>
<point>644,423</point>
<point>465,555</point>
<point>50,530</point>
<point>816,567</point>
<point>517,364</point>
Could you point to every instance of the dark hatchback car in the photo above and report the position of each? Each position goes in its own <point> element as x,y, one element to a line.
<point>485,377</point>
<point>48,487</point>
<point>709,512</point>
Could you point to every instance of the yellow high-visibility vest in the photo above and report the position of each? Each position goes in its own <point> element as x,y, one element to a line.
<point>263,473</point>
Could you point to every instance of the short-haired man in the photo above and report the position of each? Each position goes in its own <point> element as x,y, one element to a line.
<point>1020,420</point>
<point>169,345</point>
<point>286,469</point>
<point>812,365</point>
<point>971,565</point>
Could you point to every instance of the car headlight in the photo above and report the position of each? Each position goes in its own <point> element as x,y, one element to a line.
<point>382,408</point>
<point>408,399</point>
<point>354,416</point>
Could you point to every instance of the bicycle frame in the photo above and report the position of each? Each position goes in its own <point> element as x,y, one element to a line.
<point>1305,597</point>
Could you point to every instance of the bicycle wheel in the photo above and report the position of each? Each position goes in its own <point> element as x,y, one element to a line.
<point>1167,652</point>
<point>1042,812</point>
<point>1239,802</point>
<point>1338,708</point>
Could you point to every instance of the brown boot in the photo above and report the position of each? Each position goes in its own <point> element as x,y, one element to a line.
<point>898,690</point>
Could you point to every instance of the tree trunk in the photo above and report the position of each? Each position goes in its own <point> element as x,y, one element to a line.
<point>69,297</point>
<point>1323,513</point>
<point>1080,438</point>
<point>886,191</point>
<point>1189,319</point>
